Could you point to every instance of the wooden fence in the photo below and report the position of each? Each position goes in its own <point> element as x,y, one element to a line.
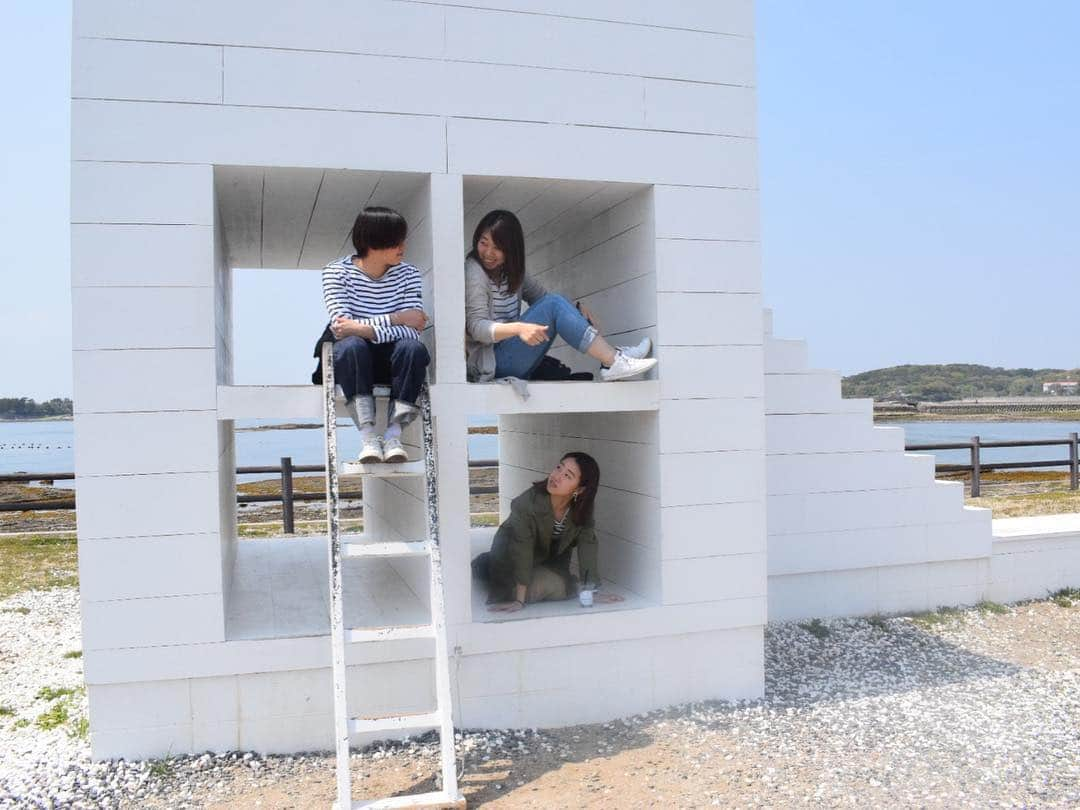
<point>288,497</point>
<point>977,466</point>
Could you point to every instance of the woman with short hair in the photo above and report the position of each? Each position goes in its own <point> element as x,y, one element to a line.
<point>376,308</point>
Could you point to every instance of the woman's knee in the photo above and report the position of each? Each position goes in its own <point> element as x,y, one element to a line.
<point>351,346</point>
<point>553,301</point>
<point>412,350</point>
<point>546,586</point>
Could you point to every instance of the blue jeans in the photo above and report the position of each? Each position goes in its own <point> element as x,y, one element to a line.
<point>359,364</point>
<point>516,358</point>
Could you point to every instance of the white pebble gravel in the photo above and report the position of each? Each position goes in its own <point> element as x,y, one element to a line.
<point>858,713</point>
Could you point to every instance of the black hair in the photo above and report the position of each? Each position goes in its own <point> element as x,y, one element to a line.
<point>581,507</point>
<point>378,228</point>
<point>506,233</point>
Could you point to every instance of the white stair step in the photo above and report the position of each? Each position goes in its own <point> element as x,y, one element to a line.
<point>417,548</point>
<point>430,800</point>
<point>383,469</point>
<point>396,722</point>
<point>402,632</point>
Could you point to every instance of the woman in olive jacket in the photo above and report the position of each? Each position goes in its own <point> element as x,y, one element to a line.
<point>530,556</point>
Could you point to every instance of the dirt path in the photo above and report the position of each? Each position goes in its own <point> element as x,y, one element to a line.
<point>970,710</point>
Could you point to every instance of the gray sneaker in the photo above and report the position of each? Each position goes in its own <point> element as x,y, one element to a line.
<point>642,349</point>
<point>371,452</point>
<point>393,452</point>
<point>626,367</point>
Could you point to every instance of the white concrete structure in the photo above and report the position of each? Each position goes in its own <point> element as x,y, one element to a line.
<point>855,524</point>
<point>209,137</point>
<point>212,136</point>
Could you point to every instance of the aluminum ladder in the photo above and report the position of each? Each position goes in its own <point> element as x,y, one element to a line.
<point>441,717</point>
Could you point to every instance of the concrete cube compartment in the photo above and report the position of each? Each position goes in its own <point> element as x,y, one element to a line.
<point>590,242</point>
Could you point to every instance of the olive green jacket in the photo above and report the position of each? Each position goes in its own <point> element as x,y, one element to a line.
<point>523,541</point>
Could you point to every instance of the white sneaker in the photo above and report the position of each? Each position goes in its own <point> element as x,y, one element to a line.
<point>393,451</point>
<point>625,367</point>
<point>643,349</point>
<point>371,451</point>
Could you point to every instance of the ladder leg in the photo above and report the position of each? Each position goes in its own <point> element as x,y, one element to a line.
<point>337,618</point>
<point>438,608</point>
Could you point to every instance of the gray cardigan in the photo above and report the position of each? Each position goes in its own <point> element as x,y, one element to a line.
<point>479,323</point>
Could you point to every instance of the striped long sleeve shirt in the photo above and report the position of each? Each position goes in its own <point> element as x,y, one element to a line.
<point>348,292</point>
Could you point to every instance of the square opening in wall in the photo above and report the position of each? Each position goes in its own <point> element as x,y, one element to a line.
<point>300,220</point>
<point>278,582</point>
<point>584,243</point>
<point>622,545</point>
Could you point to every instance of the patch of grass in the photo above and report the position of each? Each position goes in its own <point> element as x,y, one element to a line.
<point>73,654</point>
<point>6,710</point>
<point>162,768</point>
<point>986,606</point>
<point>55,717</point>
<point>21,723</point>
<point>53,692</point>
<point>485,519</point>
<point>878,623</point>
<point>1065,597</point>
<point>816,628</point>
<point>79,729</point>
<point>22,611</point>
<point>33,561</point>
<point>936,618</point>
<point>1034,503</point>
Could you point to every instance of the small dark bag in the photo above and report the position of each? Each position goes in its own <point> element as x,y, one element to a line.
<point>551,369</point>
<point>316,375</point>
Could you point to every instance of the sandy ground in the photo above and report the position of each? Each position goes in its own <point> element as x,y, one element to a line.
<point>799,747</point>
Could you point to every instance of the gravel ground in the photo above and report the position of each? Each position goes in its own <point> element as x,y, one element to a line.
<point>973,709</point>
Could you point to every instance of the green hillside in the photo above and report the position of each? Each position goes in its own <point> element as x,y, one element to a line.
<point>952,381</point>
<point>24,408</point>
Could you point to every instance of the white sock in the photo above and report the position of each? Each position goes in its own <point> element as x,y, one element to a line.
<point>393,431</point>
<point>367,433</point>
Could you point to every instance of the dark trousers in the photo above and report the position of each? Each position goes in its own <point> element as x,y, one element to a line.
<point>360,365</point>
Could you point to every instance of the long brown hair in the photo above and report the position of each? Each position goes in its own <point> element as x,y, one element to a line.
<point>506,233</point>
<point>581,507</point>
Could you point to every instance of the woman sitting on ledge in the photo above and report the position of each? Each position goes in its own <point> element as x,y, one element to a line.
<point>499,340</point>
<point>529,559</point>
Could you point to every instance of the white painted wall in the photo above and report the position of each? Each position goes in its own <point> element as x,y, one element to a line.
<point>188,120</point>
<point>855,524</point>
<point>1034,557</point>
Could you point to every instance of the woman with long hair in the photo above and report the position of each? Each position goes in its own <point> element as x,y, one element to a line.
<point>499,340</point>
<point>531,553</point>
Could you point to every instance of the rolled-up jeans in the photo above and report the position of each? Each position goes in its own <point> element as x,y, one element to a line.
<point>360,364</point>
<point>516,358</point>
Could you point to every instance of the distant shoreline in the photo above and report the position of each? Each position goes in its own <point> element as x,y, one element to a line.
<point>37,419</point>
<point>995,416</point>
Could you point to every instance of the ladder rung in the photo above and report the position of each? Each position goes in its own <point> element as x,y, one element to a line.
<point>382,469</point>
<point>396,633</point>
<point>418,548</point>
<point>430,800</point>
<point>397,722</point>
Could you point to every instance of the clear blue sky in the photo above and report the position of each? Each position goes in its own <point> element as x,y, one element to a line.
<point>919,170</point>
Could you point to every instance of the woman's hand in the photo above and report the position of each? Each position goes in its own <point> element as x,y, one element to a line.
<point>506,607</point>
<point>414,318</point>
<point>604,598</point>
<point>533,334</point>
<point>343,327</point>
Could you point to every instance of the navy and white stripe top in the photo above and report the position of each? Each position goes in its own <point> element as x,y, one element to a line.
<point>348,292</point>
<point>505,305</point>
